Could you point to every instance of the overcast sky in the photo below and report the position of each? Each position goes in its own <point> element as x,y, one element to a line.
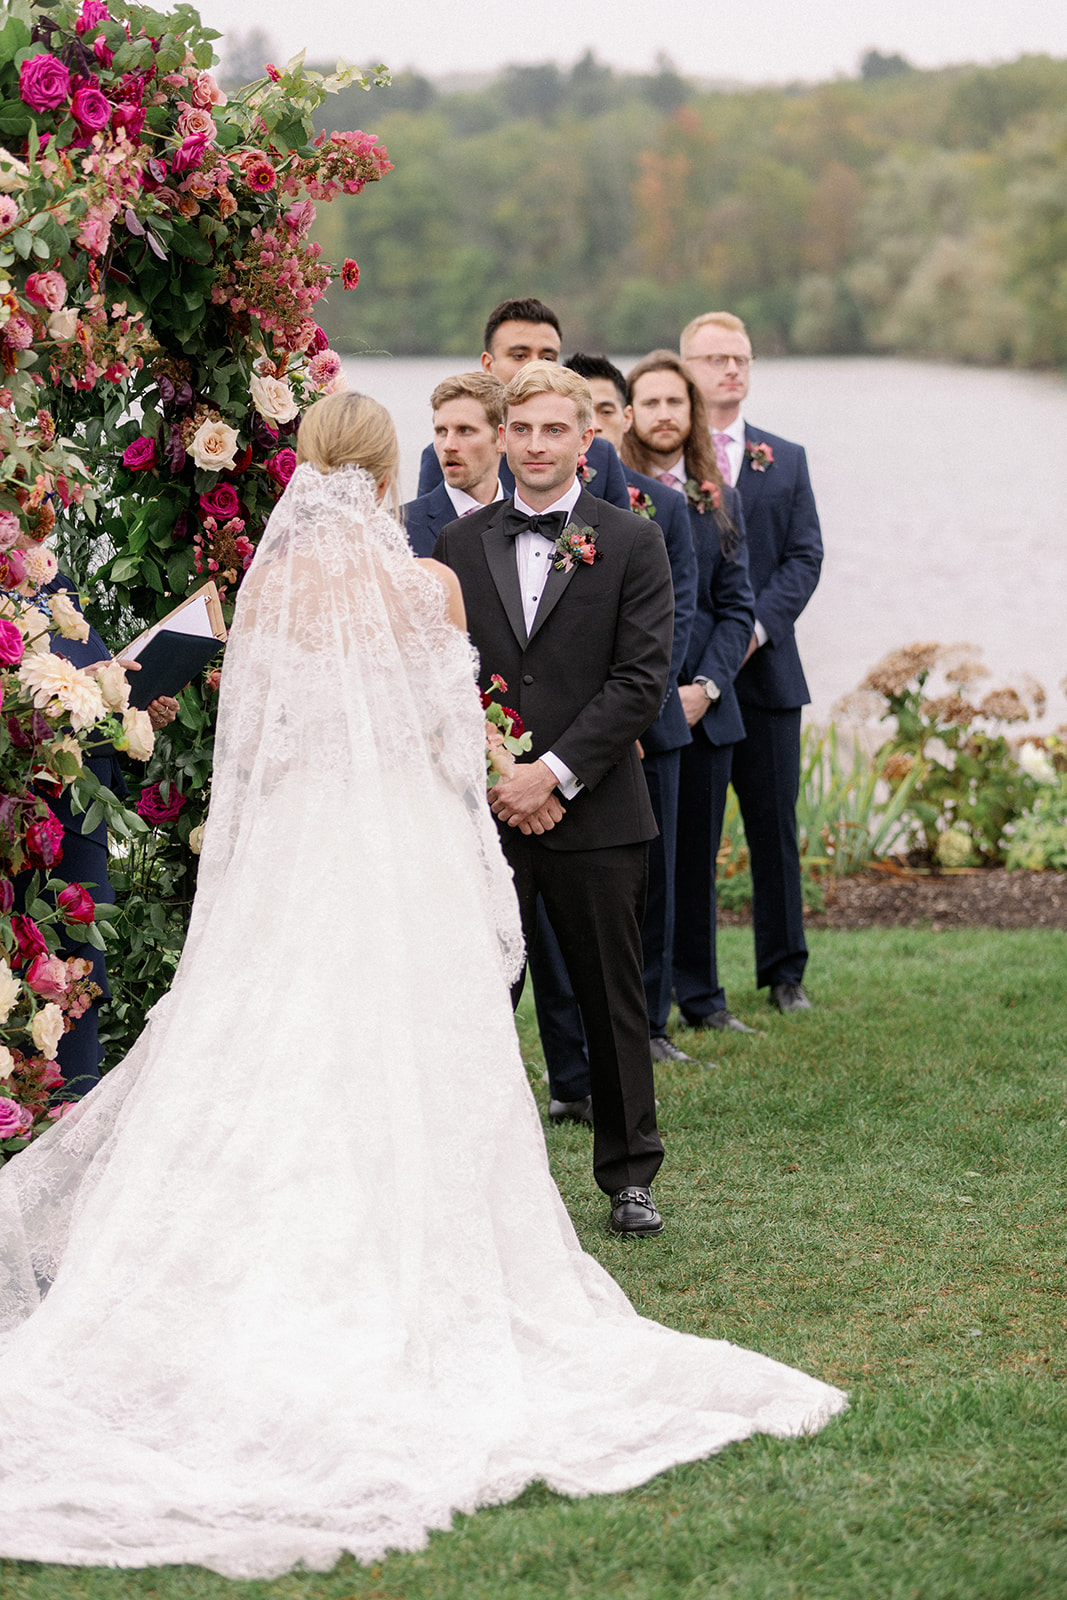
<point>757,41</point>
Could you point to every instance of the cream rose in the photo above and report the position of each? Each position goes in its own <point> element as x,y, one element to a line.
<point>13,173</point>
<point>63,325</point>
<point>47,1030</point>
<point>68,619</point>
<point>33,625</point>
<point>10,989</point>
<point>50,677</point>
<point>196,839</point>
<point>7,1062</point>
<point>273,399</point>
<point>137,728</point>
<point>114,686</point>
<point>214,446</point>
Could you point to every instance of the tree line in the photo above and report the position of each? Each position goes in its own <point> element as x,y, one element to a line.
<point>912,212</point>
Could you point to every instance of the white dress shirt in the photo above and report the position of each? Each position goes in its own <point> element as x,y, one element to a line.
<point>735,446</point>
<point>462,502</point>
<point>534,555</point>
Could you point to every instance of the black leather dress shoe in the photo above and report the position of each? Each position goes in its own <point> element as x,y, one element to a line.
<point>722,1021</point>
<point>571,1110</point>
<point>633,1211</point>
<point>789,997</point>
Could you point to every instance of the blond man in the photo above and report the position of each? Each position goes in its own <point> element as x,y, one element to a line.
<point>468,411</point>
<point>570,600</point>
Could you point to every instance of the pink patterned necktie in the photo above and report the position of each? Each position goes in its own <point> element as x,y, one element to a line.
<point>671,480</point>
<point>720,441</point>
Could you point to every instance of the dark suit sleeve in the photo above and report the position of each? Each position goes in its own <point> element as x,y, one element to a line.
<point>616,490</point>
<point>733,607</point>
<point>680,553</point>
<point>430,474</point>
<point>633,691</point>
<point>792,583</point>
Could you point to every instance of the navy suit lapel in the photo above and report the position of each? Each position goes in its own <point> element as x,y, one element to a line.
<point>500,556</point>
<point>750,484</point>
<point>586,513</point>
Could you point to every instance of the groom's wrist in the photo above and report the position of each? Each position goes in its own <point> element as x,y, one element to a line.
<point>566,782</point>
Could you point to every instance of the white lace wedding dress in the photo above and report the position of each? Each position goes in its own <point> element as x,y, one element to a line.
<point>295,1280</point>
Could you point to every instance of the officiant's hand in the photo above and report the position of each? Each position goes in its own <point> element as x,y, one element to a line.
<point>523,797</point>
<point>162,711</point>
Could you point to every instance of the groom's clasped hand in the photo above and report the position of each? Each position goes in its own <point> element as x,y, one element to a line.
<point>527,800</point>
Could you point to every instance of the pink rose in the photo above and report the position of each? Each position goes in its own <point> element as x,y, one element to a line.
<point>44,840</point>
<point>15,1120</point>
<point>299,217</point>
<point>103,55</point>
<point>206,91</point>
<point>222,503</point>
<point>28,938</point>
<point>94,234</point>
<point>48,977</point>
<point>44,83</point>
<point>140,454</point>
<point>93,13</point>
<point>154,809</point>
<point>281,466</point>
<point>51,1077</point>
<point>92,110</point>
<point>11,645</point>
<point>195,123</point>
<point>10,528</point>
<point>76,904</point>
<point>46,289</point>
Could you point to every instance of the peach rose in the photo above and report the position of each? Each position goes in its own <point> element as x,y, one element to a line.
<point>214,446</point>
<point>114,686</point>
<point>273,399</point>
<point>68,619</point>
<point>139,738</point>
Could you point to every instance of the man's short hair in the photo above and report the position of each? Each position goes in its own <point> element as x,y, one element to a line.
<point>718,319</point>
<point>518,311</point>
<point>485,387</point>
<point>598,367</point>
<point>548,377</point>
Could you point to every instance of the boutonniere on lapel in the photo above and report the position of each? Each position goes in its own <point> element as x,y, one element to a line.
<point>760,455</point>
<point>641,503</point>
<point>703,497</point>
<point>575,543</point>
<point>586,473</point>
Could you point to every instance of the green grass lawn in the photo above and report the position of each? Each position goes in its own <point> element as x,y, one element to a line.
<point>873,1191</point>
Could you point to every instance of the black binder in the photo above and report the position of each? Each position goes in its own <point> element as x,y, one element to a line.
<point>168,662</point>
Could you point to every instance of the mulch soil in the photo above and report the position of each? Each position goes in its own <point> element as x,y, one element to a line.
<point>975,898</point>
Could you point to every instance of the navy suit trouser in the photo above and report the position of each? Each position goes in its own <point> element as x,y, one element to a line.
<point>766,780</point>
<point>705,778</point>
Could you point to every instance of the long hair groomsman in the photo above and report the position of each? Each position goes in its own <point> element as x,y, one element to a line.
<point>785,558</point>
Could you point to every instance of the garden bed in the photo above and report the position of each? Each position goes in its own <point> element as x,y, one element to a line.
<point>975,898</point>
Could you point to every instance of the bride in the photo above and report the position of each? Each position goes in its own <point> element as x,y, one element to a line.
<point>266,1296</point>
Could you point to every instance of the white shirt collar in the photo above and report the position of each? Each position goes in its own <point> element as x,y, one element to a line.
<point>462,502</point>
<point>566,502</point>
<point>736,430</point>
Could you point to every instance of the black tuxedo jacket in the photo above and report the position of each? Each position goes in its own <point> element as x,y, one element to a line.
<point>591,676</point>
<point>784,558</point>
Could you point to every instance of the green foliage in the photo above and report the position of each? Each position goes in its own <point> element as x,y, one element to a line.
<point>906,211</point>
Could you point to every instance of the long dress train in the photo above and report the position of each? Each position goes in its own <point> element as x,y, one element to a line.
<point>295,1279</point>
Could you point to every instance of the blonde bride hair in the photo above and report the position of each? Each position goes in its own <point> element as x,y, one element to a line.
<point>349,429</point>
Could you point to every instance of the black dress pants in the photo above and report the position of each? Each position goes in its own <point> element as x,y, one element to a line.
<point>595,901</point>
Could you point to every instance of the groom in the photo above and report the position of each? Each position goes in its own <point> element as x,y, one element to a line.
<point>583,641</point>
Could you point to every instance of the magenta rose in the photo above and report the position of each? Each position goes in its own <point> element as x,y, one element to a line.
<point>131,118</point>
<point>92,110</point>
<point>11,644</point>
<point>140,454</point>
<point>28,938</point>
<point>222,503</point>
<point>44,841</point>
<point>154,809</point>
<point>44,83</point>
<point>281,466</point>
<point>48,977</point>
<point>93,13</point>
<point>15,1120</point>
<point>47,289</point>
<point>76,904</point>
<point>190,153</point>
<point>12,568</point>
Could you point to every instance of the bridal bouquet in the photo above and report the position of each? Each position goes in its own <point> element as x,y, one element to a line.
<point>505,734</point>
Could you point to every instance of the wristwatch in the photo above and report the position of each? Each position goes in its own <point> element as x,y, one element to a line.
<point>710,688</point>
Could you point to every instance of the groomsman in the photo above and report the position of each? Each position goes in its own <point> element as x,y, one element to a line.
<point>669,438</point>
<point>517,332</point>
<point>468,412</point>
<point>785,557</point>
<point>570,600</point>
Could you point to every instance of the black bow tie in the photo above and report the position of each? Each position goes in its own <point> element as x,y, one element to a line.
<point>549,524</point>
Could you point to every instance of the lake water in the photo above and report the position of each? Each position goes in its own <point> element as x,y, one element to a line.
<point>942,493</point>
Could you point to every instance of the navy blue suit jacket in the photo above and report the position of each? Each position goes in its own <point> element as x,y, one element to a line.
<point>424,518</point>
<point>785,558</point>
<point>670,730</point>
<point>724,620</point>
<point>608,481</point>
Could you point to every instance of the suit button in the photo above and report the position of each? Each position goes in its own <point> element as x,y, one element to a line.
<point>527,677</point>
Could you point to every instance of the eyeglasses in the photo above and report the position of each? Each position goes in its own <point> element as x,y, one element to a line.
<point>742,363</point>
